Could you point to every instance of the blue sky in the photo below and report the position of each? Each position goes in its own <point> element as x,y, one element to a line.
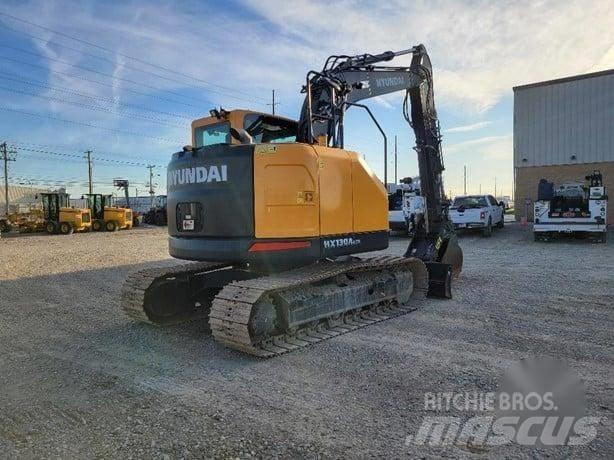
<point>140,70</point>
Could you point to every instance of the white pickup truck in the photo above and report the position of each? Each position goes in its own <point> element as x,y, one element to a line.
<point>477,211</point>
<point>396,218</point>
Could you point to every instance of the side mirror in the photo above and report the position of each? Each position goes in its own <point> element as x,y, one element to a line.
<point>502,204</point>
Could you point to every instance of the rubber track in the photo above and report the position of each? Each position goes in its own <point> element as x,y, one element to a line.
<point>137,283</point>
<point>232,307</point>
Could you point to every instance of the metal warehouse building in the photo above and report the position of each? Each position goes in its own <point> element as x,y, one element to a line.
<point>563,130</point>
<point>18,196</point>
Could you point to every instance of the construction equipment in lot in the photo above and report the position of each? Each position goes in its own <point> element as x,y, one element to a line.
<point>572,208</point>
<point>124,185</point>
<point>157,214</point>
<point>61,218</point>
<point>23,222</point>
<point>277,211</point>
<point>413,204</point>
<point>105,216</point>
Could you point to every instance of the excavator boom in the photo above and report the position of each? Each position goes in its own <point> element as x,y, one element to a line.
<point>346,80</point>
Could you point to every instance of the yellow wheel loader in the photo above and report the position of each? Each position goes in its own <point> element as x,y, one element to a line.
<point>275,211</point>
<point>105,216</point>
<point>61,218</point>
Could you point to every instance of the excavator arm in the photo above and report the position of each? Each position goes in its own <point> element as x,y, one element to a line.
<point>346,80</point>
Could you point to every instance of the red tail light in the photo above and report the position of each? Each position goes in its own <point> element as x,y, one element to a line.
<point>279,246</point>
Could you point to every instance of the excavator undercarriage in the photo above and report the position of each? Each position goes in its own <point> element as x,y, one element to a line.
<point>271,314</point>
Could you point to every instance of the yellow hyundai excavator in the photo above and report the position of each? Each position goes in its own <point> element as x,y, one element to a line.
<point>276,210</point>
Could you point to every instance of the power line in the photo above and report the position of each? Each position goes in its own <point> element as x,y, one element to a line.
<point>90,107</point>
<point>55,181</point>
<point>396,180</point>
<point>89,125</point>
<point>87,69</point>
<point>80,77</point>
<point>45,148</point>
<point>89,170</point>
<point>6,159</point>
<point>163,77</point>
<point>465,180</point>
<point>69,180</point>
<point>79,157</point>
<point>273,103</point>
<point>142,61</point>
<point>151,189</point>
<point>112,100</point>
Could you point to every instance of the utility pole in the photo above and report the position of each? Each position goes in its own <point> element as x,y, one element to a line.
<point>6,159</point>
<point>495,187</point>
<point>465,180</point>
<point>396,180</point>
<point>273,103</point>
<point>151,190</point>
<point>89,169</point>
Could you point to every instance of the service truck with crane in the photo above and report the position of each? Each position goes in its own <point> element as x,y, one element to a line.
<point>574,207</point>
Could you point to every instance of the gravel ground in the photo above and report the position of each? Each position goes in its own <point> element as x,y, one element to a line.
<point>79,379</point>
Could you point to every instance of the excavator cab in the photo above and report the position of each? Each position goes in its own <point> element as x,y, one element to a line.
<point>60,217</point>
<point>242,127</point>
<point>106,216</point>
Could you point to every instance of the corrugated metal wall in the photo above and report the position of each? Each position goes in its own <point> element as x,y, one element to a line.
<point>554,121</point>
<point>19,195</point>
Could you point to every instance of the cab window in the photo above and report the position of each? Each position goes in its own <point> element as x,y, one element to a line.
<point>218,133</point>
<point>268,129</point>
<point>469,202</point>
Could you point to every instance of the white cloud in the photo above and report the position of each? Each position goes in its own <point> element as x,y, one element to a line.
<point>605,62</point>
<point>488,160</point>
<point>469,128</point>
<point>480,50</point>
<point>479,142</point>
<point>383,102</point>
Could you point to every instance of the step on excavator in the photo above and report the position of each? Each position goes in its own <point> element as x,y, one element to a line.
<point>275,212</point>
